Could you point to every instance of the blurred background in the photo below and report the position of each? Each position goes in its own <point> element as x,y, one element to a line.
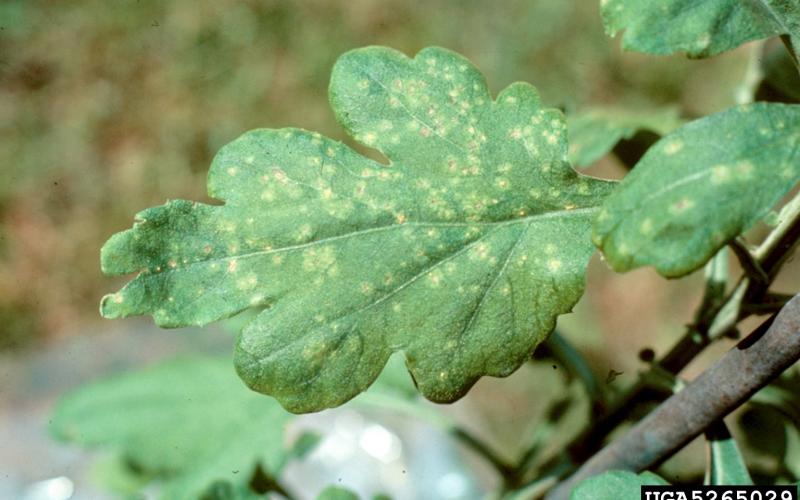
<point>107,108</point>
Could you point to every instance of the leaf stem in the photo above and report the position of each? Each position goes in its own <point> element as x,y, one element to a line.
<point>740,373</point>
<point>566,354</point>
<point>506,470</point>
<point>749,264</point>
<point>261,483</point>
<point>753,74</point>
<point>792,50</point>
<point>777,247</point>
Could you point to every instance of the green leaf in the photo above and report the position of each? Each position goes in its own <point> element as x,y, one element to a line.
<point>304,445</point>
<point>764,430</point>
<point>725,463</point>
<point>114,474</point>
<point>394,391</point>
<point>701,28</point>
<point>699,187</point>
<point>224,490</point>
<point>594,133</point>
<point>460,252</point>
<point>771,425</point>
<point>615,485</point>
<point>336,493</point>
<point>189,421</point>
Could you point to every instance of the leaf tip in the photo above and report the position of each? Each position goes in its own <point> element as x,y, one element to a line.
<point>110,305</point>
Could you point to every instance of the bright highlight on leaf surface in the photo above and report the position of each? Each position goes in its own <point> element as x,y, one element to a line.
<point>461,252</point>
<point>701,28</point>
<point>699,187</point>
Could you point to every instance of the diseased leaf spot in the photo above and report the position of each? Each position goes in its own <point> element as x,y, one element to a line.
<point>646,227</point>
<point>438,254</point>
<point>720,174</point>
<point>554,265</point>
<point>703,41</point>
<point>247,283</point>
<point>745,169</point>
<point>673,146</point>
<point>701,29</point>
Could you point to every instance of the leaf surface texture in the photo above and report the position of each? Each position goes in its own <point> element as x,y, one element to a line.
<point>699,187</point>
<point>460,252</point>
<point>701,28</point>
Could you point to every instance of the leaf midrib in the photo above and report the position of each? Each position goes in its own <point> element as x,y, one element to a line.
<point>545,215</point>
<point>766,149</point>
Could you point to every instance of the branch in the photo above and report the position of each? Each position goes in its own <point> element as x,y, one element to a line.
<point>749,366</point>
<point>747,260</point>
<point>715,318</point>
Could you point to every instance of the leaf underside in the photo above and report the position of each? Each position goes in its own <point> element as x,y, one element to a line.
<point>699,187</point>
<point>701,28</point>
<point>189,422</point>
<point>460,252</point>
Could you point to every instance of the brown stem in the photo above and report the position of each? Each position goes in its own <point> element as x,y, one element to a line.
<point>770,257</point>
<point>749,366</point>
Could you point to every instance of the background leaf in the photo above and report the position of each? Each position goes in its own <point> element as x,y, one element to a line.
<point>725,463</point>
<point>699,187</point>
<point>440,253</point>
<point>594,132</point>
<point>188,421</point>
<point>701,28</point>
<point>771,424</point>
<point>336,493</point>
<point>224,490</point>
<point>615,485</point>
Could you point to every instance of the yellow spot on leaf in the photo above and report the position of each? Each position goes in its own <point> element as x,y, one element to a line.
<point>673,146</point>
<point>720,174</point>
